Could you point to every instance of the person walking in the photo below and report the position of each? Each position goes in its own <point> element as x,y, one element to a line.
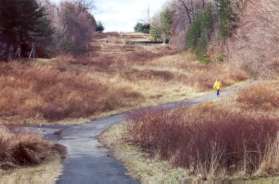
<point>217,86</point>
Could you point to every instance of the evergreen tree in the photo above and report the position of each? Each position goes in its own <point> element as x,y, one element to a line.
<point>166,23</point>
<point>22,22</point>
<point>142,28</point>
<point>226,17</point>
<point>155,34</point>
<point>100,27</point>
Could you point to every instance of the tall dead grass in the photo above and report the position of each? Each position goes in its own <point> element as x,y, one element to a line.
<point>117,76</point>
<point>208,141</point>
<point>46,92</point>
<point>25,149</point>
<point>186,69</point>
<point>204,77</point>
<point>263,96</point>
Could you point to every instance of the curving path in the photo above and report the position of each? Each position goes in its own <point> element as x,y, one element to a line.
<point>88,162</point>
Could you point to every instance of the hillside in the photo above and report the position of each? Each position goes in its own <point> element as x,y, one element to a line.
<point>115,76</point>
<point>254,45</point>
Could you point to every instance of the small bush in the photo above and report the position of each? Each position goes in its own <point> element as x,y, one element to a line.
<point>166,23</point>
<point>22,149</point>
<point>155,34</point>
<point>206,140</point>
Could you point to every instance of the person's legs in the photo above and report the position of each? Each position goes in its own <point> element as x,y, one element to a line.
<point>218,92</point>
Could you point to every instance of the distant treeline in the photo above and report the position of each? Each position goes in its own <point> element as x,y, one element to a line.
<point>193,23</point>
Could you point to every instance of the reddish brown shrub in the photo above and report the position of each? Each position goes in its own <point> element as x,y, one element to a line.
<point>135,74</point>
<point>205,75</point>
<point>206,140</point>
<point>30,91</point>
<point>264,96</point>
<point>25,149</point>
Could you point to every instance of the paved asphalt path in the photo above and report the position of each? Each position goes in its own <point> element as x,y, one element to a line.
<point>89,162</point>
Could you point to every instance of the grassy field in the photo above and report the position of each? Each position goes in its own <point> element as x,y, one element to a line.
<point>114,77</point>
<point>46,173</point>
<point>240,132</point>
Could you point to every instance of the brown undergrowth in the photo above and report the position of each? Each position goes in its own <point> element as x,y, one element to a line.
<point>209,140</point>
<point>264,96</point>
<point>43,92</point>
<point>114,77</point>
<point>19,149</point>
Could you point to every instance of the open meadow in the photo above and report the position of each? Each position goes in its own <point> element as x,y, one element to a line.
<point>115,76</point>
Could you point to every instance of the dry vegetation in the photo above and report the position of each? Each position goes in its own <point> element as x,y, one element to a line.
<point>152,170</point>
<point>46,173</point>
<point>115,77</point>
<point>45,92</point>
<point>254,43</point>
<point>233,137</point>
<point>145,169</point>
<point>25,149</point>
<point>234,143</point>
<point>264,96</point>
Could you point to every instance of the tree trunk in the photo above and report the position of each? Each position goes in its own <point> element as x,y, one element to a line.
<point>7,51</point>
<point>188,11</point>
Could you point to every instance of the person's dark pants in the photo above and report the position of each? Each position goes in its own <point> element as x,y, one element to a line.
<point>218,92</point>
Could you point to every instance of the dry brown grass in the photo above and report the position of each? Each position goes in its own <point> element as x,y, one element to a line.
<point>208,140</point>
<point>228,74</point>
<point>116,77</point>
<point>145,169</point>
<point>25,149</point>
<point>188,70</point>
<point>45,92</point>
<point>46,173</point>
<point>263,96</point>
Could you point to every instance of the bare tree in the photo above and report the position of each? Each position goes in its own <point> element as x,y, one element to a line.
<point>187,6</point>
<point>85,4</point>
<point>255,44</point>
<point>184,14</point>
<point>77,26</point>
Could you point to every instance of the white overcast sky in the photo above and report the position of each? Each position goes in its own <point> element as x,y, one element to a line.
<point>122,15</point>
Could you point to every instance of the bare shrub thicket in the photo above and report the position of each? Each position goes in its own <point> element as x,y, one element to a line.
<point>185,11</point>
<point>77,27</point>
<point>73,25</point>
<point>225,16</point>
<point>254,44</point>
<point>25,149</point>
<point>50,93</point>
<point>250,29</point>
<point>207,140</point>
<point>261,96</point>
<point>203,76</point>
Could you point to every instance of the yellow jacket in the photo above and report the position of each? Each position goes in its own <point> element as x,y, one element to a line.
<point>217,85</point>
